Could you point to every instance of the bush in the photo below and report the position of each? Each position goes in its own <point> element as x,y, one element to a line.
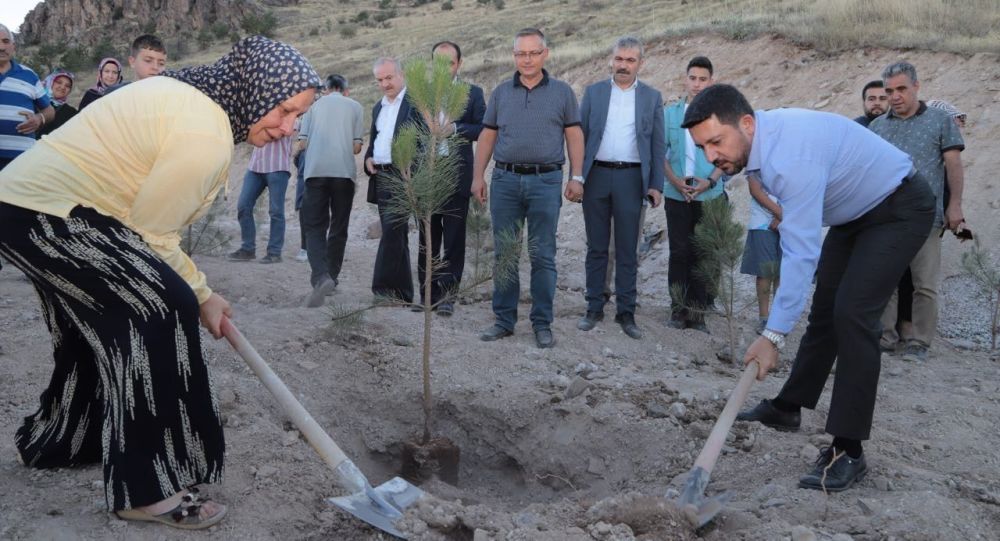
<point>220,29</point>
<point>384,4</point>
<point>263,24</point>
<point>362,17</point>
<point>205,38</point>
<point>348,31</point>
<point>77,59</point>
<point>102,50</point>
<point>447,6</point>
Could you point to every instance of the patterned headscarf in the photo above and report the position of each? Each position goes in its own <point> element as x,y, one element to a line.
<point>100,87</point>
<point>255,77</point>
<point>59,72</point>
<point>946,107</point>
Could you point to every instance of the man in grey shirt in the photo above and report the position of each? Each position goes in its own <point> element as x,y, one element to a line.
<point>528,119</point>
<point>935,144</point>
<point>332,129</point>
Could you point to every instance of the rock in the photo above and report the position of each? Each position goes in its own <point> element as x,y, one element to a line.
<point>227,399</point>
<point>97,485</point>
<point>962,343</point>
<point>868,507</point>
<point>768,491</point>
<point>802,533</point>
<point>402,341</point>
<point>842,537</point>
<point>610,354</point>
<point>895,371</point>
<point>809,452</point>
<point>775,502</point>
<point>657,410</point>
<point>481,535</point>
<point>374,230</point>
<point>577,387</point>
<point>266,471</point>
<point>308,365</point>
<point>821,104</point>
<point>596,466</point>
<point>686,396</point>
<point>584,369</point>
<point>678,410</point>
<point>289,438</point>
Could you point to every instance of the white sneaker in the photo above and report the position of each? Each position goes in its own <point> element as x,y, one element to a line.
<point>302,256</point>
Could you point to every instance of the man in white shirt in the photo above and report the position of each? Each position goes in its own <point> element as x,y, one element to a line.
<point>622,121</point>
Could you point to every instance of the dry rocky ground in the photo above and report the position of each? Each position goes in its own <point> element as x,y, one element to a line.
<point>576,442</point>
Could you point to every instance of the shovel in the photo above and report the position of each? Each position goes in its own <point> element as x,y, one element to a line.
<point>692,502</point>
<point>379,506</point>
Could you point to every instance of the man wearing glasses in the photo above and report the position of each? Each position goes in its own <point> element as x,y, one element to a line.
<point>528,120</point>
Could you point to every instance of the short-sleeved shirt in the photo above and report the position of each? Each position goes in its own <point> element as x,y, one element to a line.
<point>332,126</point>
<point>273,157</point>
<point>530,123</point>
<point>20,91</point>
<point>925,136</point>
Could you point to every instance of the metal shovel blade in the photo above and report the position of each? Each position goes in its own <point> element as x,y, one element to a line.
<point>383,505</point>
<point>692,502</point>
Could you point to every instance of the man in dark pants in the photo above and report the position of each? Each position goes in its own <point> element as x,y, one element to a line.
<point>622,122</point>
<point>448,227</point>
<point>392,277</point>
<point>333,127</point>
<point>824,169</point>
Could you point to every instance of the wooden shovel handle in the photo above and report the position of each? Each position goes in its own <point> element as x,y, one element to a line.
<point>713,446</point>
<point>314,434</point>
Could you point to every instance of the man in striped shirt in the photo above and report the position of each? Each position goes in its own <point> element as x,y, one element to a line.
<point>24,106</point>
<point>270,167</point>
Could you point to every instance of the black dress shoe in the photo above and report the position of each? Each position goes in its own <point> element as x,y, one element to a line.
<point>590,320</point>
<point>544,338</point>
<point>676,321</point>
<point>495,332</point>
<point>841,475</point>
<point>446,309</point>
<point>766,414</point>
<point>627,321</point>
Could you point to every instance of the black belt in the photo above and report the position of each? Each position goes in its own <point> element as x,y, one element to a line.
<point>384,166</point>
<point>617,165</point>
<point>529,168</point>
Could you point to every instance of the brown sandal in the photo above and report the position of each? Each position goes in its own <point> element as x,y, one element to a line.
<point>185,516</point>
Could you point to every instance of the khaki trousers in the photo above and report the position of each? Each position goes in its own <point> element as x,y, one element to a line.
<point>926,270</point>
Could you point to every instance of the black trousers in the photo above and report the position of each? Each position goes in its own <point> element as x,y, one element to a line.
<point>447,248</point>
<point>326,215</point>
<point>130,387</point>
<point>859,268</point>
<point>392,277</point>
<point>682,217</point>
<point>612,195</point>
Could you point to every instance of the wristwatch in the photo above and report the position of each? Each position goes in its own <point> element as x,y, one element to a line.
<point>578,178</point>
<point>777,339</point>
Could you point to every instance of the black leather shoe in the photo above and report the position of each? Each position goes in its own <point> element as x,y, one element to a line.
<point>590,320</point>
<point>676,321</point>
<point>446,309</point>
<point>766,414</point>
<point>841,475</point>
<point>544,338</point>
<point>495,332</point>
<point>627,321</point>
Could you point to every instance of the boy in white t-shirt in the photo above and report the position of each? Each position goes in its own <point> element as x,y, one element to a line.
<point>762,253</point>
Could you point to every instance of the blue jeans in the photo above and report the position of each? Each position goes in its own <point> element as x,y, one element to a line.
<point>513,199</point>
<point>253,185</point>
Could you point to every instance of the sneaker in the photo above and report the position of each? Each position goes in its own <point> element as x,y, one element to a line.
<point>319,293</point>
<point>241,255</point>
<point>302,255</point>
<point>544,338</point>
<point>494,333</point>
<point>834,475</point>
<point>915,353</point>
<point>627,321</point>
<point>270,258</point>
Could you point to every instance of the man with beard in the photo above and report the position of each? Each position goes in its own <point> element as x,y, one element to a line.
<point>874,100</point>
<point>824,169</point>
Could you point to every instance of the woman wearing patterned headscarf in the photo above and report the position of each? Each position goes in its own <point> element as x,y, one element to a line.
<point>109,73</point>
<point>92,215</point>
<point>58,85</point>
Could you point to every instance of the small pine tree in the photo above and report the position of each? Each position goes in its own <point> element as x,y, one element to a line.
<point>985,272</point>
<point>718,240</point>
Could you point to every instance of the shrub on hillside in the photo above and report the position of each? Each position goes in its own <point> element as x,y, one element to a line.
<point>262,24</point>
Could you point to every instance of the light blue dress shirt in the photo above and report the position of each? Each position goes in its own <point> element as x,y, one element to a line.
<point>825,169</point>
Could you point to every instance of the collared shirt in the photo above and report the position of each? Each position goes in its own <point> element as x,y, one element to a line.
<point>386,125</point>
<point>20,91</point>
<point>825,169</point>
<point>332,126</point>
<point>690,151</point>
<point>678,157</point>
<point>619,143</point>
<point>272,157</point>
<point>925,136</point>
<point>531,123</point>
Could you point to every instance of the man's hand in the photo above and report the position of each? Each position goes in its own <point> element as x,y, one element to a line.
<point>212,311</point>
<point>32,121</point>
<point>656,196</point>
<point>574,191</point>
<point>479,190</point>
<point>766,355</point>
<point>775,222</point>
<point>953,217</point>
<point>369,166</point>
<point>701,186</point>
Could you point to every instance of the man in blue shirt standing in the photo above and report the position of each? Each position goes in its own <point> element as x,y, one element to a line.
<point>824,169</point>
<point>21,95</point>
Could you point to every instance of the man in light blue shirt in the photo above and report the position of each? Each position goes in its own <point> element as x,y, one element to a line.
<point>824,169</point>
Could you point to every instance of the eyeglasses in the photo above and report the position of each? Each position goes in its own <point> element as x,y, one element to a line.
<point>523,55</point>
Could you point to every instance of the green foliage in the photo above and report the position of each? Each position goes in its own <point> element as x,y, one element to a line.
<point>77,59</point>
<point>447,6</point>
<point>205,236</point>
<point>46,56</point>
<point>385,4</point>
<point>362,17</point>
<point>103,49</point>
<point>348,31</point>
<point>205,38</point>
<point>718,240</point>
<point>262,24</point>
<point>220,29</point>
<point>149,27</point>
<point>985,272</point>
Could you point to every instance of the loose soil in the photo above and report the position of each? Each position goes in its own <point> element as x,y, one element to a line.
<point>581,441</point>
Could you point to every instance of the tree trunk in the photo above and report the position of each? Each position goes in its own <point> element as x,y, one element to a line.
<point>428,279</point>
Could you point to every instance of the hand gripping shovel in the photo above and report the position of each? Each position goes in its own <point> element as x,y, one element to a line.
<point>379,506</point>
<point>698,508</point>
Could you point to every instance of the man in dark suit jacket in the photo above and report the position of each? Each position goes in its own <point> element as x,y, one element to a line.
<point>624,144</point>
<point>392,276</point>
<point>448,227</point>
